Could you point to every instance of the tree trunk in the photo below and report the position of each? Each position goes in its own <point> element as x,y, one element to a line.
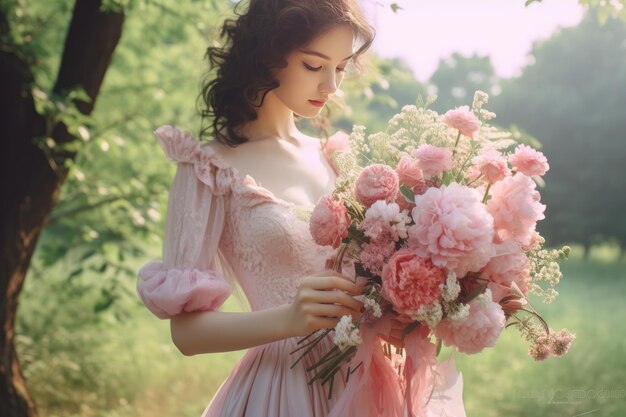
<point>31,180</point>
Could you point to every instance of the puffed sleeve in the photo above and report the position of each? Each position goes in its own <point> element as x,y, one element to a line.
<point>186,279</point>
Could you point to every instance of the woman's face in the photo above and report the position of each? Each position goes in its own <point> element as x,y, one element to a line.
<point>315,71</point>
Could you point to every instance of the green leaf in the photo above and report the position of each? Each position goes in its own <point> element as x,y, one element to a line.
<point>395,7</point>
<point>407,193</point>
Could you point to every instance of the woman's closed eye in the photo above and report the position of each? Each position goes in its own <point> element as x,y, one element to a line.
<point>310,68</point>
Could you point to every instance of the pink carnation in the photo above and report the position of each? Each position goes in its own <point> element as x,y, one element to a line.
<point>453,228</point>
<point>433,160</point>
<point>509,264</point>
<point>515,208</point>
<point>480,329</point>
<point>376,182</point>
<point>492,165</point>
<point>409,172</point>
<point>464,120</point>
<point>329,222</point>
<point>410,282</point>
<point>529,161</point>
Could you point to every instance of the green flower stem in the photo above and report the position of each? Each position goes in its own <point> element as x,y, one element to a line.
<point>486,193</point>
<point>469,157</point>
<point>458,136</point>
<point>327,357</point>
<point>312,345</point>
<point>543,322</point>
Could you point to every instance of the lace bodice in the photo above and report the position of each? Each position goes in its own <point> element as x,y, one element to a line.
<point>223,228</point>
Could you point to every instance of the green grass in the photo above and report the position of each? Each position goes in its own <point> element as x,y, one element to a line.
<point>107,369</point>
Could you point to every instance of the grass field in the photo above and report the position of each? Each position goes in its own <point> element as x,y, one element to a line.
<point>134,369</point>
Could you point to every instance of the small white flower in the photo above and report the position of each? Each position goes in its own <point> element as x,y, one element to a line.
<point>458,312</point>
<point>374,307</point>
<point>451,290</point>
<point>431,315</point>
<point>346,334</point>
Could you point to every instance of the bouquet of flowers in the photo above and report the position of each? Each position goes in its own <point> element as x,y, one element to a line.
<point>439,214</point>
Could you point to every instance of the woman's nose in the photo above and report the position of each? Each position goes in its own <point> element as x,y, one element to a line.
<point>329,86</point>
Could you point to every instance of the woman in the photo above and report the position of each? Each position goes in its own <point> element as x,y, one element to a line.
<point>232,213</point>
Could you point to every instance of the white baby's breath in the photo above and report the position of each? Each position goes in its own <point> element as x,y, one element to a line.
<point>372,306</point>
<point>431,315</point>
<point>451,289</point>
<point>346,334</point>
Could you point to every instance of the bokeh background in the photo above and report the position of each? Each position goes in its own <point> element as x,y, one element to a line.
<point>89,348</point>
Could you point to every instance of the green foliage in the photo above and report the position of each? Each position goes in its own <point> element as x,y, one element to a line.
<point>457,77</point>
<point>374,97</point>
<point>572,98</point>
<point>111,206</point>
<point>606,9</point>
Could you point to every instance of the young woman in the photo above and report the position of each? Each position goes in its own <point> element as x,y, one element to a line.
<point>232,212</point>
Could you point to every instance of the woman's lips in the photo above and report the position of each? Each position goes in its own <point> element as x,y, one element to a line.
<point>317,103</point>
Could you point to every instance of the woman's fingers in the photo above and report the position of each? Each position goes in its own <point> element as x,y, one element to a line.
<point>336,297</point>
<point>332,310</point>
<point>331,282</point>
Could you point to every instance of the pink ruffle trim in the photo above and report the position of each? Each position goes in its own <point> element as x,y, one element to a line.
<point>168,292</point>
<point>182,147</point>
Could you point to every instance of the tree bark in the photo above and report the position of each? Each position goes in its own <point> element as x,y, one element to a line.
<point>31,180</point>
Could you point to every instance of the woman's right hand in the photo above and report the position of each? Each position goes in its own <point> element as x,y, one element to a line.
<point>322,299</point>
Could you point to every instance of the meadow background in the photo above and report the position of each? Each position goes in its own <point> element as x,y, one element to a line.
<point>89,348</point>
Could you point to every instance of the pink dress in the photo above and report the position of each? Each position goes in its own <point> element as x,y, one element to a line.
<point>223,228</point>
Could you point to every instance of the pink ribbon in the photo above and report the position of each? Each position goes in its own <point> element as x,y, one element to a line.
<point>375,389</point>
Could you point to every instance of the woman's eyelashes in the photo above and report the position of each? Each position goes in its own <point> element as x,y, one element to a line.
<point>310,68</point>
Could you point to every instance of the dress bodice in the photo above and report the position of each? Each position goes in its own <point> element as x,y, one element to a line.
<point>263,242</point>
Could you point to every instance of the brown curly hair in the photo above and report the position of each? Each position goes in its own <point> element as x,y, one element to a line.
<point>259,41</point>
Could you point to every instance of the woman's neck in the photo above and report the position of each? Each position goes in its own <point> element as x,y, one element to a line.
<point>274,121</point>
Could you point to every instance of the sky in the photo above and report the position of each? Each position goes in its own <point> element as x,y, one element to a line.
<point>425,31</point>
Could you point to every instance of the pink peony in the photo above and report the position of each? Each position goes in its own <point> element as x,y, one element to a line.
<point>376,182</point>
<point>529,161</point>
<point>329,222</point>
<point>409,172</point>
<point>433,160</point>
<point>410,282</point>
<point>515,208</point>
<point>464,120</point>
<point>453,228</point>
<point>480,329</point>
<point>492,165</point>
<point>509,264</point>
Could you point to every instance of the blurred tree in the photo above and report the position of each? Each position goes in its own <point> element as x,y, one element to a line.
<point>605,8</point>
<point>37,144</point>
<point>458,77</point>
<point>378,94</point>
<point>572,97</point>
<point>109,207</point>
